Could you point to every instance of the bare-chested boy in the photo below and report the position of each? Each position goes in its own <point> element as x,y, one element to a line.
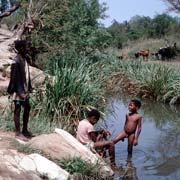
<point>133,122</point>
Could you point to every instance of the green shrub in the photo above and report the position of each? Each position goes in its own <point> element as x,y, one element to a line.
<point>68,93</point>
<point>156,80</point>
<point>81,169</point>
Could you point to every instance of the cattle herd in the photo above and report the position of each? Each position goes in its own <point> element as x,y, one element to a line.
<point>163,53</point>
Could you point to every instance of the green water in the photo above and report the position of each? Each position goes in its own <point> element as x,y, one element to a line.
<point>157,156</point>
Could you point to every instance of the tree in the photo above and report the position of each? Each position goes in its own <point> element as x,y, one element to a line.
<point>118,32</point>
<point>161,24</point>
<point>174,5</point>
<point>70,25</point>
<point>3,5</point>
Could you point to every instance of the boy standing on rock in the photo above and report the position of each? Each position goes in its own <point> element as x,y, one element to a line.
<point>20,87</point>
<point>88,136</point>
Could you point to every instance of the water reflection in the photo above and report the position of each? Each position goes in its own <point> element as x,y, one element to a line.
<point>128,172</point>
<point>158,154</point>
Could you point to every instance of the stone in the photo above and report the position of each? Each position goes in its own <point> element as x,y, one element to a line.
<point>10,168</point>
<point>44,167</point>
<point>6,59</point>
<point>62,145</point>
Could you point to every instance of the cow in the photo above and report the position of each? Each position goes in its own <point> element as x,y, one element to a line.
<point>143,53</point>
<point>167,52</point>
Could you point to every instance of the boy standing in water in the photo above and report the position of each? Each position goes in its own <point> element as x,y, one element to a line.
<point>133,122</point>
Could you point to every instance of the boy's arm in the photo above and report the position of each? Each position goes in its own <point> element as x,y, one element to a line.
<point>102,132</point>
<point>139,125</point>
<point>125,121</point>
<point>93,136</point>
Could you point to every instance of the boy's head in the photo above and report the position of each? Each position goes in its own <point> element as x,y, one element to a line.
<point>93,116</point>
<point>21,46</point>
<point>134,105</point>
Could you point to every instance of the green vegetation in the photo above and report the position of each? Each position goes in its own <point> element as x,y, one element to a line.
<point>153,80</point>
<point>78,55</point>
<point>71,42</point>
<point>24,148</point>
<point>81,170</point>
<point>141,27</point>
<point>68,93</point>
<point>75,50</point>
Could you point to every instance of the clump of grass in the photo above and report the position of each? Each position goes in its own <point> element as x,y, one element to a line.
<point>67,94</point>
<point>154,80</point>
<point>81,169</point>
<point>36,124</point>
<point>6,120</point>
<point>24,148</point>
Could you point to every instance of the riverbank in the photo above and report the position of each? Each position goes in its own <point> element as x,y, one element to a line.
<point>153,80</point>
<point>42,124</point>
<point>54,156</point>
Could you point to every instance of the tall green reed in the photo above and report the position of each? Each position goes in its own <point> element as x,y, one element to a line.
<point>72,89</point>
<point>157,80</point>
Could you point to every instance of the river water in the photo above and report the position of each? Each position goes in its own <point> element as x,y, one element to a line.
<point>157,156</point>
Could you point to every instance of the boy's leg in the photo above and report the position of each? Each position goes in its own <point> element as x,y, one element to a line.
<point>27,108</point>
<point>108,145</point>
<point>101,150</point>
<point>119,137</point>
<point>111,149</point>
<point>130,143</point>
<point>17,112</point>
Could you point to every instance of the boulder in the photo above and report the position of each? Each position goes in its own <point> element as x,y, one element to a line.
<point>10,168</point>
<point>6,56</point>
<point>15,165</point>
<point>6,59</point>
<point>62,145</point>
<point>46,168</point>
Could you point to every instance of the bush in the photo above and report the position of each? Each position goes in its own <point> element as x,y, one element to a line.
<point>81,169</point>
<point>68,93</point>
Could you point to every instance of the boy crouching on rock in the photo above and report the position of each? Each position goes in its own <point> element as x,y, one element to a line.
<point>91,138</point>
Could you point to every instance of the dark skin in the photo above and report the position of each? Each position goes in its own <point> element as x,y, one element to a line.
<point>133,122</point>
<point>102,144</point>
<point>23,54</point>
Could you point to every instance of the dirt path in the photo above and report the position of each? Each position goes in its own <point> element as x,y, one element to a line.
<point>6,139</point>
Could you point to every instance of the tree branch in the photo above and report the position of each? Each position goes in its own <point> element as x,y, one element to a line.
<point>10,11</point>
<point>174,5</point>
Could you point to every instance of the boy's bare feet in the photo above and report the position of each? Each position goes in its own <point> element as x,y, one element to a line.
<point>113,166</point>
<point>21,137</point>
<point>28,134</point>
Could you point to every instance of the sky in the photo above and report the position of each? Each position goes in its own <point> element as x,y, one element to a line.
<point>122,10</point>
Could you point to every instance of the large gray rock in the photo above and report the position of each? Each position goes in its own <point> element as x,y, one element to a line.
<point>6,58</point>
<point>37,163</point>
<point>18,166</point>
<point>62,145</point>
<point>10,168</point>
